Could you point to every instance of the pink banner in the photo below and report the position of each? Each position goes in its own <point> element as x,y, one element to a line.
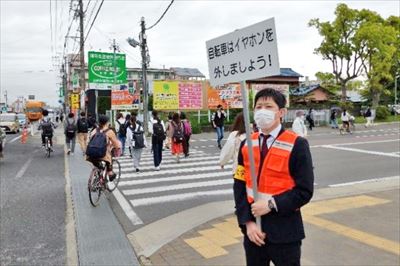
<point>190,95</point>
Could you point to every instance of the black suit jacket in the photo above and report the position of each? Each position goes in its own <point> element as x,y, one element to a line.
<point>284,225</point>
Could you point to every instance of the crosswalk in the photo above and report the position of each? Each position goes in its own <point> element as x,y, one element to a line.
<point>198,176</point>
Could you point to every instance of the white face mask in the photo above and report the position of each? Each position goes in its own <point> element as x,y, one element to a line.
<point>264,118</point>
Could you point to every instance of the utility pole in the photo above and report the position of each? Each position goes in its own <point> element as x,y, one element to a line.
<point>82,50</point>
<point>114,47</point>
<point>143,46</point>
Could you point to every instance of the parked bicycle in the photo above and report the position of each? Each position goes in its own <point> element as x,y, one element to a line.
<point>48,149</point>
<point>99,183</point>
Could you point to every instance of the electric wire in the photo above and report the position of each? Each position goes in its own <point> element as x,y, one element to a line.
<point>172,1</point>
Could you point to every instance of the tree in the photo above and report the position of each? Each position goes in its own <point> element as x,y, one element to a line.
<point>338,45</point>
<point>327,81</point>
<point>378,39</point>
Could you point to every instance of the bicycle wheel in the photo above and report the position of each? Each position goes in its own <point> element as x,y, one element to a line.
<point>112,185</point>
<point>94,188</point>
<point>48,150</point>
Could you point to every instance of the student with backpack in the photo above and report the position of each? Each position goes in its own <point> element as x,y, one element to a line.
<point>137,141</point>
<point>70,129</point>
<point>177,136</point>
<point>187,132</point>
<point>47,128</point>
<point>82,132</point>
<point>157,139</point>
<point>101,142</point>
<point>123,125</point>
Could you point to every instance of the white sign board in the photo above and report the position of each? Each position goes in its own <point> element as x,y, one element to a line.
<point>244,54</point>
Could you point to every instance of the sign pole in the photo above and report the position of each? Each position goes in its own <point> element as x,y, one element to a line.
<point>250,145</point>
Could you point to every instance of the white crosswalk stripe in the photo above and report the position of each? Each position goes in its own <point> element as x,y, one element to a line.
<point>198,176</point>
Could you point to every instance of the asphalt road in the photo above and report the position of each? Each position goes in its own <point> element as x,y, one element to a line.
<point>32,204</point>
<point>371,153</point>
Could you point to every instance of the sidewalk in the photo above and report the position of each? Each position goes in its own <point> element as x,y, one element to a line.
<point>355,225</point>
<point>100,239</point>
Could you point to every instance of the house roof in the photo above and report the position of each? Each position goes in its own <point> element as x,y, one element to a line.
<point>187,72</point>
<point>354,96</point>
<point>288,72</point>
<point>304,90</point>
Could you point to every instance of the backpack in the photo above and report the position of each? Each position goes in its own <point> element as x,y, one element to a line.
<point>137,138</point>
<point>122,128</point>
<point>47,127</point>
<point>177,137</point>
<point>158,132</point>
<point>71,129</point>
<point>187,128</point>
<point>83,125</point>
<point>97,146</point>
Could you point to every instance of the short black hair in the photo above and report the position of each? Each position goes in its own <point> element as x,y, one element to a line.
<point>103,119</point>
<point>82,113</point>
<point>277,96</point>
<point>71,115</point>
<point>183,115</point>
<point>154,113</point>
<point>45,112</point>
<point>219,106</point>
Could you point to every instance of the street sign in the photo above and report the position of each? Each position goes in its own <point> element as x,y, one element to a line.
<point>75,101</point>
<point>123,100</point>
<point>101,68</point>
<point>244,54</point>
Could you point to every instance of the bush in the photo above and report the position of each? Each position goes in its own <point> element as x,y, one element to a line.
<point>382,112</point>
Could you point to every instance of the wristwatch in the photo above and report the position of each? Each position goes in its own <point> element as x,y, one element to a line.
<point>271,205</point>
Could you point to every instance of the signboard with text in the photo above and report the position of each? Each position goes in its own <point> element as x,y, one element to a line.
<point>244,54</point>
<point>190,95</point>
<point>75,101</point>
<point>101,68</point>
<point>283,88</point>
<point>229,96</point>
<point>123,100</point>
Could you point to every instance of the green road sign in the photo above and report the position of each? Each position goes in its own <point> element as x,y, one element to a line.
<point>101,68</point>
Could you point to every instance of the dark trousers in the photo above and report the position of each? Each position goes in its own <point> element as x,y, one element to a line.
<point>311,124</point>
<point>157,152</point>
<point>279,254</point>
<point>50,136</point>
<point>185,145</point>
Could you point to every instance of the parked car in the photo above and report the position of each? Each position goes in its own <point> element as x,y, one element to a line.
<point>9,122</point>
<point>21,119</point>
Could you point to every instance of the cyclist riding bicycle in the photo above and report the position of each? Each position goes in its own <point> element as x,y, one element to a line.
<point>47,127</point>
<point>96,138</point>
<point>346,116</point>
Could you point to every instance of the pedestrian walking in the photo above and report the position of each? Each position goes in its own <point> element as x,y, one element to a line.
<point>218,119</point>
<point>187,132</point>
<point>137,141</point>
<point>169,131</point>
<point>121,128</point>
<point>310,118</point>
<point>230,150</point>
<point>298,126</point>
<point>157,139</point>
<point>333,119</point>
<point>368,117</point>
<point>70,129</point>
<point>92,121</point>
<point>346,116</point>
<point>285,184</point>
<point>177,136</point>
<point>83,129</point>
<point>62,117</point>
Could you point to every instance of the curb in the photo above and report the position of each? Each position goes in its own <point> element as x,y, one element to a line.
<point>150,238</point>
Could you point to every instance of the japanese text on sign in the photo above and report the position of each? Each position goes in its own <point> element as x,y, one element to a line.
<point>244,54</point>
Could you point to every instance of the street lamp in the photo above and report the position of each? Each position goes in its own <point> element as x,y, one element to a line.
<point>132,42</point>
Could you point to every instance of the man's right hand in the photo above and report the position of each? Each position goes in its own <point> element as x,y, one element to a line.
<point>254,234</point>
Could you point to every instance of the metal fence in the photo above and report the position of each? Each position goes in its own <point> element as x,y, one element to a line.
<point>321,117</point>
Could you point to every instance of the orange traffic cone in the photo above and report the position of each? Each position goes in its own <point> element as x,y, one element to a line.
<point>24,136</point>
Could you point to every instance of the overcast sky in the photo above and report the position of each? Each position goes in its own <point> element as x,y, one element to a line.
<point>28,67</point>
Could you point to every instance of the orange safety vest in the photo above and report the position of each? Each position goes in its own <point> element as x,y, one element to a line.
<point>275,176</point>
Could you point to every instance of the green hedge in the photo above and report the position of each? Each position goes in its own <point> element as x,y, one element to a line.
<point>382,112</point>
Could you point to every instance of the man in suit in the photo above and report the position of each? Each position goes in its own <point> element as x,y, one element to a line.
<point>285,183</point>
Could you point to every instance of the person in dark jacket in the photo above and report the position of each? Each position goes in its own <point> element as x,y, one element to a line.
<point>285,181</point>
<point>218,119</point>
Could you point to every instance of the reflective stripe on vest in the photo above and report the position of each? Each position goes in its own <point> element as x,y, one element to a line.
<point>275,176</point>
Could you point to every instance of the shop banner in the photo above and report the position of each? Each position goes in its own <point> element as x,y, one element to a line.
<point>165,95</point>
<point>283,88</point>
<point>190,95</point>
<point>123,100</point>
<point>229,96</point>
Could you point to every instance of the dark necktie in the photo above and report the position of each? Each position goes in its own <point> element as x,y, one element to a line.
<point>264,148</point>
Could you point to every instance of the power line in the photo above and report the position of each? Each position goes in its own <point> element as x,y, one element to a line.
<point>161,15</point>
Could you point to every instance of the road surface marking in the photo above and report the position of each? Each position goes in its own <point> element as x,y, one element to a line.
<point>173,165</point>
<point>170,159</point>
<point>130,213</point>
<point>175,178</point>
<point>174,171</point>
<point>361,151</point>
<point>21,172</point>
<point>139,191</point>
<point>179,197</point>
<point>365,181</point>
<point>355,143</point>
<point>14,139</point>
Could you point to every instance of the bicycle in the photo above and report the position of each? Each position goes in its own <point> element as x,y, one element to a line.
<point>349,129</point>
<point>47,147</point>
<point>98,181</point>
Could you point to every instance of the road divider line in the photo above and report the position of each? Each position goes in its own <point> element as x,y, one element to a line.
<point>129,212</point>
<point>139,191</point>
<point>366,181</point>
<point>179,197</point>
<point>14,139</point>
<point>175,178</point>
<point>362,151</point>
<point>22,171</point>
